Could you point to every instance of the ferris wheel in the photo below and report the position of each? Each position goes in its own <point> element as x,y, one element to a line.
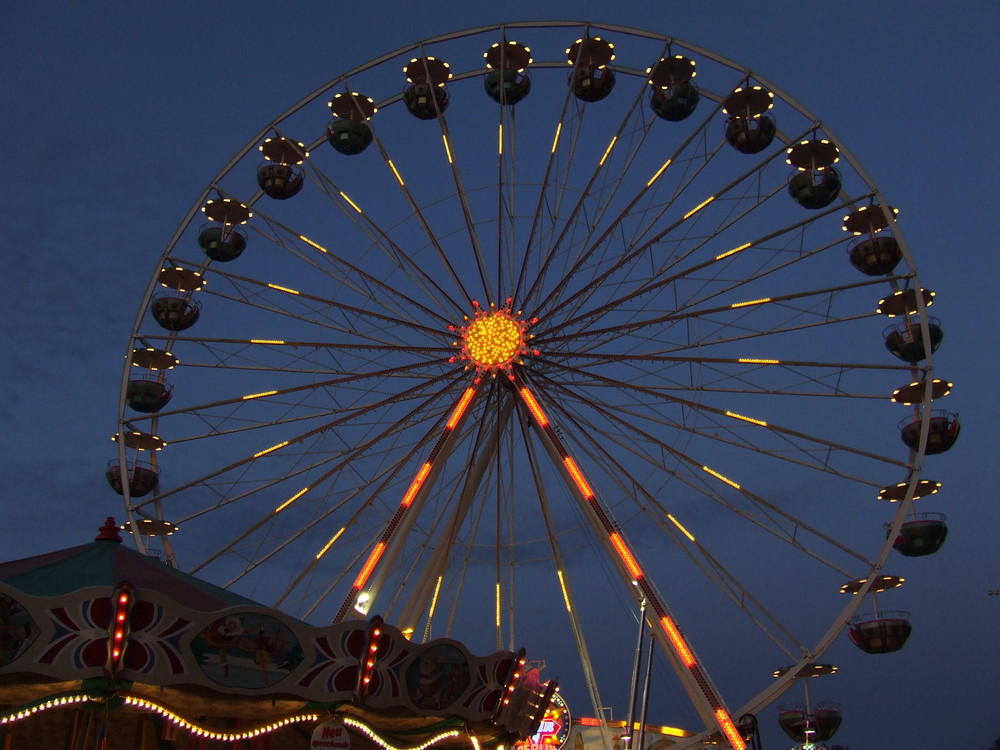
<point>508,333</point>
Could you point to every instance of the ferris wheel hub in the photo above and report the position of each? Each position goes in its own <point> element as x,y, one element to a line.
<point>494,339</point>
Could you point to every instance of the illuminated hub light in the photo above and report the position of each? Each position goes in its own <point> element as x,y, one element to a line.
<point>494,339</point>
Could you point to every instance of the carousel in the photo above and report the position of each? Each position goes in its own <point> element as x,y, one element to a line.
<point>102,647</point>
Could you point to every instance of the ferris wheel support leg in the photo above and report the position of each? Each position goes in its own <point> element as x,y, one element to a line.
<point>703,694</point>
<point>378,559</point>
<point>418,602</point>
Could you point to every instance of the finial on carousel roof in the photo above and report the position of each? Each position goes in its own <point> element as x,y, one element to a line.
<point>109,532</point>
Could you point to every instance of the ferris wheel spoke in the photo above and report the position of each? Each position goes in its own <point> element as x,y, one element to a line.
<point>601,197</point>
<point>365,410</point>
<point>730,417</point>
<point>709,565</point>
<point>702,692</point>
<point>415,494</point>
<point>690,218</point>
<point>741,307</point>
<point>782,256</point>
<point>696,480</point>
<point>382,238</point>
<point>562,573</point>
<point>344,462</point>
<point>370,287</point>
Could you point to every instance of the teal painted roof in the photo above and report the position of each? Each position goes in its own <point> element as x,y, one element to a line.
<point>106,562</point>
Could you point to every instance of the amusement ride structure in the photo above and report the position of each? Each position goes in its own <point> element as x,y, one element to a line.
<point>513,333</point>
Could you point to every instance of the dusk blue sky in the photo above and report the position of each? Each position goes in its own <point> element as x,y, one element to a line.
<point>116,116</point>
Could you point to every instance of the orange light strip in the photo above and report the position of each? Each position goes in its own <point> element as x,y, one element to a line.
<point>418,482</point>
<point>534,407</point>
<point>626,555</point>
<point>577,475</point>
<point>366,571</point>
<point>729,729</point>
<point>463,404</point>
<point>680,645</point>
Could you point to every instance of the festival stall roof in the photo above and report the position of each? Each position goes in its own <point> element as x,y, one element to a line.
<point>102,626</point>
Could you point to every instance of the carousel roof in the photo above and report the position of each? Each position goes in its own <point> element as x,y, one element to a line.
<point>106,562</point>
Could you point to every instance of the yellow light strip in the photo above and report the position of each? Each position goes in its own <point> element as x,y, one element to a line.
<point>463,404</point>
<point>498,605</point>
<point>447,147</point>
<point>266,341</point>
<point>291,500</point>
<point>500,140</point>
<point>273,448</point>
<point>751,302</point>
<point>399,177</point>
<point>680,645</point>
<point>199,731</point>
<point>282,289</point>
<point>734,415</point>
<point>366,571</point>
<point>415,486</point>
<point>758,361</point>
<point>258,395</point>
<point>608,152</point>
<point>577,475</point>
<point>735,250</point>
<point>434,599</point>
<point>717,475</point>
<point>626,555</point>
<point>534,407</point>
<point>660,171</point>
<point>370,733</point>
<point>24,713</point>
<point>698,208</point>
<point>353,204</point>
<point>310,242</point>
<point>333,540</point>
<point>565,591</point>
<point>729,729</point>
<point>555,141</point>
<point>678,524</point>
